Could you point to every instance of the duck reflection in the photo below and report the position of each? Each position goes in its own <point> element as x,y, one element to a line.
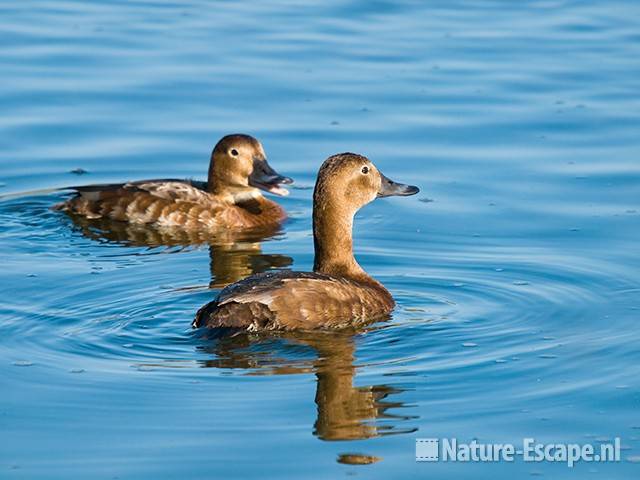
<point>233,255</point>
<point>344,411</point>
<point>233,261</point>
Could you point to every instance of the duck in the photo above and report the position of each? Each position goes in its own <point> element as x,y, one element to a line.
<point>231,197</point>
<point>338,293</point>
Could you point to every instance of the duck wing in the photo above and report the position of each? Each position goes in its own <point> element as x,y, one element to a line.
<point>175,202</point>
<point>174,190</point>
<point>294,300</point>
<point>261,287</point>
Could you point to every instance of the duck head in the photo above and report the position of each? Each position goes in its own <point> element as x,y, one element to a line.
<point>239,166</point>
<point>351,181</point>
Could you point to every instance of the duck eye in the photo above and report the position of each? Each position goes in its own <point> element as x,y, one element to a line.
<point>365,170</point>
<point>234,152</point>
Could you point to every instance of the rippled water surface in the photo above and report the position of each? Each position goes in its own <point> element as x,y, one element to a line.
<point>516,269</point>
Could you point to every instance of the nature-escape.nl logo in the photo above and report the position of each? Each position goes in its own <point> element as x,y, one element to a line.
<point>451,450</point>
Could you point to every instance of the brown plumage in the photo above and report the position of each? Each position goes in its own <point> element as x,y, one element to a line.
<point>228,199</point>
<point>338,292</point>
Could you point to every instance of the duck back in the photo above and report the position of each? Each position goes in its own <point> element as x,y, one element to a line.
<point>287,300</point>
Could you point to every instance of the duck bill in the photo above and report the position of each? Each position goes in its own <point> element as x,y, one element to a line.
<point>390,188</point>
<point>266,178</point>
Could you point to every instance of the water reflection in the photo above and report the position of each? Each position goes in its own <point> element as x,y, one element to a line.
<point>344,411</point>
<point>233,255</point>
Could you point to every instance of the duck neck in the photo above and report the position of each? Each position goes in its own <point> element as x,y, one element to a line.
<point>333,242</point>
<point>214,185</point>
<point>230,189</point>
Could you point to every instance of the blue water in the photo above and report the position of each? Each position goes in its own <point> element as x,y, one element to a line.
<point>516,269</point>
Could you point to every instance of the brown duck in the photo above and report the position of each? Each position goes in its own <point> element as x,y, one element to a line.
<point>228,199</point>
<point>338,292</point>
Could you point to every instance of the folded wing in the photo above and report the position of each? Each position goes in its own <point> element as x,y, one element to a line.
<point>293,300</point>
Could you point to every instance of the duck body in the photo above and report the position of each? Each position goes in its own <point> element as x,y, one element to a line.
<point>172,203</point>
<point>230,198</point>
<point>338,293</point>
<point>286,300</point>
